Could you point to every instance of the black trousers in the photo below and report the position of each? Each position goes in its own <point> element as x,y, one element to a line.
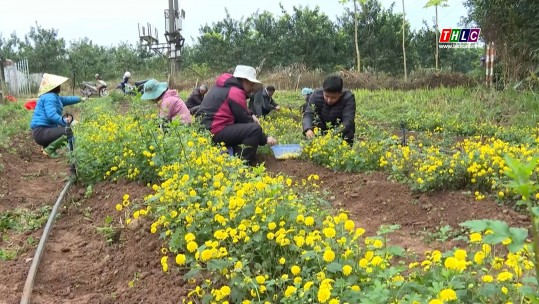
<point>44,136</point>
<point>249,135</point>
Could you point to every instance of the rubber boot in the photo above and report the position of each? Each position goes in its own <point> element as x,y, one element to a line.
<point>50,150</point>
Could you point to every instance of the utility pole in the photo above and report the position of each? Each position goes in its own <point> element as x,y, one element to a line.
<point>174,39</point>
<point>173,36</point>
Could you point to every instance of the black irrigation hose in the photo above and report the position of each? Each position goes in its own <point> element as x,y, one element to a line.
<point>29,285</point>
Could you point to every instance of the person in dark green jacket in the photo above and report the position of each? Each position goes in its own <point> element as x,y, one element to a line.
<point>262,103</point>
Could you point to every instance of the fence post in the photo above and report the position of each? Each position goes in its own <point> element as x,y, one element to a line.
<point>2,78</point>
<point>17,78</point>
<point>492,56</point>
<point>489,64</point>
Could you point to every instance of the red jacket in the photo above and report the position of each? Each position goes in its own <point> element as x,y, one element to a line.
<point>225,104</point>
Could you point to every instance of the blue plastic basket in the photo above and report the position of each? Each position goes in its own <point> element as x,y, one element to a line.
<point>286,151</point>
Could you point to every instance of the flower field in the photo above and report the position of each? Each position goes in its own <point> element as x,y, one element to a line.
<point>242,235</point>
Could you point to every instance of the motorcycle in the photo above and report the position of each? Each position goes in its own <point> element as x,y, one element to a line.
<point>130,89</point>
<point>98,88</point>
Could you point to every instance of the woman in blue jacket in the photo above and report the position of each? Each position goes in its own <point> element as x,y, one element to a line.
<point>48,127</point>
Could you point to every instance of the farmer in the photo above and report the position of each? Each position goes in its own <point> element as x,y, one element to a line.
<point>224,113</point>
<point>99,83</point>
<point>171,106</point>
<point>48,127</point>
<point>262,103</point>
<point>195,99</point>
<point>125,80</point>
<point>331,105</point>
<point>306,94</point>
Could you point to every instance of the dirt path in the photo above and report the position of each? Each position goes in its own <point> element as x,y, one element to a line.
<point>78,265</point>
<point>28,180</point>
<point>82,268</point>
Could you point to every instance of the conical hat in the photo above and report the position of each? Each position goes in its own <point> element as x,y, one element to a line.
<point>49,82</point>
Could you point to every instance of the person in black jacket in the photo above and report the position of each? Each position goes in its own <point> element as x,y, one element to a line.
<point>331,105</point>
<point>261,103</point>
<point>195,99</point>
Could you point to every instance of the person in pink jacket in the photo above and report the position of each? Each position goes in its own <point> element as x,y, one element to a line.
<point>171,106</point>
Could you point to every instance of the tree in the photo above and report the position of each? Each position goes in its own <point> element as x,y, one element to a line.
<point>436,4</point>
<point>513,26</point>
<point>86,59</point>
<point>356,24</point>
<point>305,36</point>
<point>7,51</point>
<point>311,38</point>
<point>222,45</point>
<point>46,53</point>
<point>380,32</point>
<point>9,48</point>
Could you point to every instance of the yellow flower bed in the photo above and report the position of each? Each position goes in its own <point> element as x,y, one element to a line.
<point>243,236</point>
<point>254,240</point>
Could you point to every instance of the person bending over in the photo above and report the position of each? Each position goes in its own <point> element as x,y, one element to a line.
<point>331,106</point>
<point>225,114</point>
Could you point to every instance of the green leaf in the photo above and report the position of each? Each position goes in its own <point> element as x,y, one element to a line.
<point>488,290</point>
<point>528,291</point>
<point>530,281</point>
<point>207,298</point>
<point>385,229</point>
<point>458,284</point>
<point>257,238</point>
<point>192,273</point>
<point>518,234</point>
<point>514,246</point>
<point>499,228</point>
<point>535,211</point>
<point>494,239</point>
<point>237,295</point>
<point>396,250</point>
<point>108,220</point>
<point>476,225</point>
<point>309,255</point>
<point>334,267</point>
<point>216,265</point>
<point>176,240</point>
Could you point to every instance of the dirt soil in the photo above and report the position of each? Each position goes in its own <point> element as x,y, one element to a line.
<point>79,266</point>
<point>374,200</point>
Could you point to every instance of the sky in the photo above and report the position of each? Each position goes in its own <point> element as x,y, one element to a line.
<point>109,22</point>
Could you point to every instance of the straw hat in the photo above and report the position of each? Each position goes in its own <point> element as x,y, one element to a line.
<point>49,82</point>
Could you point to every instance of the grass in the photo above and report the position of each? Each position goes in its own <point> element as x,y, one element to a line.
<point>109,232</point>
<point>22,219</point>
<point>14,119</point>
<point>456,111</point>
<point>17,221</point>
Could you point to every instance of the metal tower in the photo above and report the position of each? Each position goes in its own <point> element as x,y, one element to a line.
<point>170,49</point>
